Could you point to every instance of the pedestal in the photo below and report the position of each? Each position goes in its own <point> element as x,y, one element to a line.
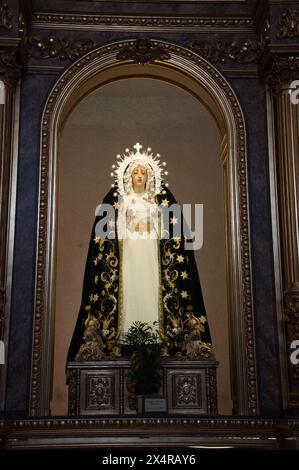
<point>102,388</point>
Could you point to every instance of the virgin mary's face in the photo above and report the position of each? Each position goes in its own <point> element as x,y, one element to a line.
<point>139,177</point>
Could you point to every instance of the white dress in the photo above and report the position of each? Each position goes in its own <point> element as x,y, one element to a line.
<point>138,231</point>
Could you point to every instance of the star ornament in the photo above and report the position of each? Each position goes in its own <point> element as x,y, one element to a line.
<point>184,274</point>
<point>184,294</point>
<point>93,297</point>
<point>173,220</point>
<point>165,203</point>
<point>180,258</point>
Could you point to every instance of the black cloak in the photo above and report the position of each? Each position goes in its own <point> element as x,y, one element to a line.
<point>180,286</point>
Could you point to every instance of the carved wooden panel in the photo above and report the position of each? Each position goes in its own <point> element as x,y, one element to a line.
<point>103,388</point>
<point>99,392</point>
<point>186,392</point>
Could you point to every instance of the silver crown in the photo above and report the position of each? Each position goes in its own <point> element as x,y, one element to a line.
<point>145,157</point>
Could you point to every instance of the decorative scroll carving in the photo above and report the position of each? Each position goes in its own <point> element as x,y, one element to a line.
<point>143,51</point>
<point>164,23</point>
<point>242,52</point>
<point>48,48</point>
<point>186,389</point>
<point>10,68</point>
<point>92,348</point>
<point>100,392</point>
<point>5,17</point>
<point>288,26</point>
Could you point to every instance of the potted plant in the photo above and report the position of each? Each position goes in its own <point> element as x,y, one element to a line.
<point>144,346</point>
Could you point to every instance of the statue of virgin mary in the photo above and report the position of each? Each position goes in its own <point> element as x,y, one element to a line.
<point>138,268</point>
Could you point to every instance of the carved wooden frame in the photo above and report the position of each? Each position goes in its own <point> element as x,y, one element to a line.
<point>96,22</point>
<point>183,64</point>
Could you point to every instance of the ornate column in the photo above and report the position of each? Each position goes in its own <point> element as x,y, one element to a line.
<point>9,77</point>
<point>284,71</point>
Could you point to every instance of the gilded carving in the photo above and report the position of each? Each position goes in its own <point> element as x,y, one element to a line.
<point>241,52</point>
<point>289,24</point>
<point>49,48</point>
<point>143,51</point>
<point>5,17</point>
<point>93,347</point>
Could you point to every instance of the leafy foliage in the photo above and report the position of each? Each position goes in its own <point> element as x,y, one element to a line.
<point>144,346</point>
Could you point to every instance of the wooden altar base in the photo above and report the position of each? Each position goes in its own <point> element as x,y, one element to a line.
<point>103,389</point>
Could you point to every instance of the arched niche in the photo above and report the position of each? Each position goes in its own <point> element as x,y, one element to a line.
<point>193,74</point>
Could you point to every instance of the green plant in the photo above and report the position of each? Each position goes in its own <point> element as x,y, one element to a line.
<point>144,346</point>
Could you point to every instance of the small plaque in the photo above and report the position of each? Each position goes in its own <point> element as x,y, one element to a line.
<point>155,405</point>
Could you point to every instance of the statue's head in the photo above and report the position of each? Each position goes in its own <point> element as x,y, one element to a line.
<point>139,177</point>
<point>139,171</point>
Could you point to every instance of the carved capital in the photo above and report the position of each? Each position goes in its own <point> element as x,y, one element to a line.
<point>288,26</point>
<point>65,49</point>
<point>284,70</point>
<point>291,301</point>
<point>143,51</point>
<point>10,68</point>
<point>5,17</point>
